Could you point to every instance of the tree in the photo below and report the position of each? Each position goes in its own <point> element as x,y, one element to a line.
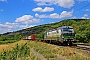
<point>17,37</point>
<point>3,38</point>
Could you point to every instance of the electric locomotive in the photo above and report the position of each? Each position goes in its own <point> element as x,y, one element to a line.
<point>61,35</point>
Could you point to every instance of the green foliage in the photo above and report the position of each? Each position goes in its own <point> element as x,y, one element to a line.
<point>43,49</point>
<point>7,41</point>
<point>40,36</point>
<point>3,38</point>
<point>17,37</point>
<point>19,52</point>
<point>81,27</point>
<point>16,52</point>
<point>53,52</point>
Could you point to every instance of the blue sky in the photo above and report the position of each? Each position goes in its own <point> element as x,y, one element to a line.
<point>20,14</point>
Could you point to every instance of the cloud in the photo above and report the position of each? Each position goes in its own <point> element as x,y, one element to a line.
<point>38,9</point>
<point>1,10</point>
<point>74,17</point>
<point>85,16</point>
<point>7,27</point>
<point>46,9</point>
<point>26,26</point>
<point>27,19</point>
<point>41,16</point>
<point>22,22</point>
<point>54,15</point>
<point>64,14</point>
<point>65,3</point>
<point>83,0</point>
<point>51,22</point>
<point>3,0</point>
<point>10,27</point>
<point>62,3</point>
<point>87,10</point>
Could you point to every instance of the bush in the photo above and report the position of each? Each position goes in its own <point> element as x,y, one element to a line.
<point>3,38</point>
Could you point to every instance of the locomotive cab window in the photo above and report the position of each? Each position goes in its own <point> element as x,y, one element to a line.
<point>68,30</point>
<point>65,29</point>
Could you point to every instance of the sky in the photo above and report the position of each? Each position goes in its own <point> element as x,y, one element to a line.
<point>20,14</point>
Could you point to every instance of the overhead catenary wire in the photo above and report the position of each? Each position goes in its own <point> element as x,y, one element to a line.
<point>82,7</point>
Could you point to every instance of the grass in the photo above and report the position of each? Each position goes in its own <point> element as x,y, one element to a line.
<point>43,49</point>
<point>83,43</point>
<point>89,43</point>
<point>15,53</point>
<point>7,41</point>
<point>9,46</point>
<point>21,51</point>
<point>73,54</point>
<point>51,51</point>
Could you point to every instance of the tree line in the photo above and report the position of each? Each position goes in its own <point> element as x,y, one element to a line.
<point>81,27</point>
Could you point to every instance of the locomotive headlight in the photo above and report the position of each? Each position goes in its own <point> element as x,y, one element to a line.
<point>66,40</point>
<point>62,36</point>
<point>68,36</point>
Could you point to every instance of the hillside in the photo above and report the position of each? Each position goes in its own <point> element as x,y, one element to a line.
<point>81,27</point>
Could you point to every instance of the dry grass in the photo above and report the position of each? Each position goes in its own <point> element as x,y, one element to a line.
<point>20,51</point>
<point>52,51</point>
<point>9,46</point>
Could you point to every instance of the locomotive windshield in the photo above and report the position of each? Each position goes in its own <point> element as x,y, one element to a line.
<point>68,30</point>
<point>65,29</point>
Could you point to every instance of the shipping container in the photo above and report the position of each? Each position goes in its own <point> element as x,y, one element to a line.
<point>33,37</point>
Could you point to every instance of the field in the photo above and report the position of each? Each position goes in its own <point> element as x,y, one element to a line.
<point>10,45</point>
<point>16,51</point>
<point>21,50</point>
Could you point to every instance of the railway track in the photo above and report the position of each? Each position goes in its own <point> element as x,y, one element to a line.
<point>82,46</point>
<point>85,48</point>
<point>75,45</point>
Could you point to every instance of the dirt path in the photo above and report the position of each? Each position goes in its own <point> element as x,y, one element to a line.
<point>38,54</point>
<point>42,58</point>
<point>60,57</point>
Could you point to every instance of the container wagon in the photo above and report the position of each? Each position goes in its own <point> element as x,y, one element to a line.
<point>31,37</point>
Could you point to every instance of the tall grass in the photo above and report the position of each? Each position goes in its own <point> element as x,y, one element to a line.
<point>51,51</point>
<point>43,49</point>
<point>19,52</point>
<point>16,52</point>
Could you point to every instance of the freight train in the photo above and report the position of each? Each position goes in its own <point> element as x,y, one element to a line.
<point>31,37</point>
<point>62,35</point>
